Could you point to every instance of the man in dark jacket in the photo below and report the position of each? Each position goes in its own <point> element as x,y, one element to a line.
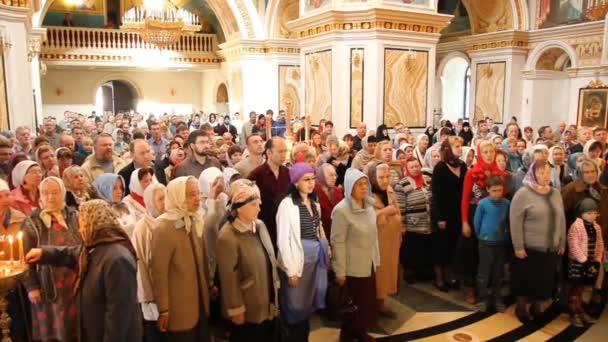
<point>142,157</point>
<point>226,127</point>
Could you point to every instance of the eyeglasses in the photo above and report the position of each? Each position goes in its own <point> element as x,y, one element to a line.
<point>50,193</point>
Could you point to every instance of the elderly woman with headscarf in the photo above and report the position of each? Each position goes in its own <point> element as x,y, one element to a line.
<point>303,252</point>
<point>247,269</point>
<point>154,198</point>
<point>26,177</point>
<point>413,194</point>
<point>384,154</point>
<point>328,193</point>
<point>594,150</point>
<point>356,255</point>
<point>538,232</point>
<point>422,143</point>
<point>78,188</point>
<point>468,156</point>
<point>105,287</point>
<point>557,159</point>
<point>585,185</point>
<point>179,265</point>
<point>473,191</point>
<point>431,158</point>
<point>111,187</point>
<point>140,180</point>
<point>390,231</point>
<point>365,154</point>
<point>50,289</point>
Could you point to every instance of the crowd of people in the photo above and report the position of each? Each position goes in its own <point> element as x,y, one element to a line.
<point>181,228</point>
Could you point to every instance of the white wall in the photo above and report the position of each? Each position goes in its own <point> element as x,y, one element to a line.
<point>453,86</point>
<point>19,89</point>
<point>166,91</point>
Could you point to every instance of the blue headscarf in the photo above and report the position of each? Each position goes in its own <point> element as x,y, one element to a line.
<point>105,185</point>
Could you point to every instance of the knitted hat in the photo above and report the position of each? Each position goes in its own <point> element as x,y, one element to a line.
<point>298,170</point>
<point>587,205</point>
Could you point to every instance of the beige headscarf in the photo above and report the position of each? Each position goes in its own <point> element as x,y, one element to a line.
<point>100,226</point>
<point>175,206</point>
<point>47,214</point>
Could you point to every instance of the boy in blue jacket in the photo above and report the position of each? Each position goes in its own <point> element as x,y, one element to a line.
<point>492,230</point>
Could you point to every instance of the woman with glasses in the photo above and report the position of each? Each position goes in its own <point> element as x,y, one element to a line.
<point>51,288</point>
<point>303,253</point>
<point>26,177</point>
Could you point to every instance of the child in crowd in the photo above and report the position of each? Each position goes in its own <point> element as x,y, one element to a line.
<point>87,146</point>
<point>586,248</point>
<point>492,230</point>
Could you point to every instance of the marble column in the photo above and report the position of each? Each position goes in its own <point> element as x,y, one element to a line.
<point>15,27</point>
<point>387,55</point>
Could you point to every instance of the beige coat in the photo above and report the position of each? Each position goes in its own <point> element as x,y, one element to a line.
<point>177,269</point>
<point>92,169</point>
<point>390,231</point>
<point>246,263</point>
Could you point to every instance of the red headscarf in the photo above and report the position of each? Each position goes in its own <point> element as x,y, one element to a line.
<point>418,179</point>
<point>481,170</point>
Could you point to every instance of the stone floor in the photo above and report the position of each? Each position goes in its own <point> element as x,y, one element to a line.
<point>426,314</point>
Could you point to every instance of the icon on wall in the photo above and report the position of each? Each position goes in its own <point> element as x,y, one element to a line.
<point>592,103</point>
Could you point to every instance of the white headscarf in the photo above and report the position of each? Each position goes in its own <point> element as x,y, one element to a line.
<point>20,170</point>
<point>206,180</point>
<point>228,174</point>
<point>135,184</point>
<point>175,206</point>
<point>149,198</point>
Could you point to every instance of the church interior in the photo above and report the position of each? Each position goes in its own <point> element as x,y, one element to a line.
<point>414,62</point>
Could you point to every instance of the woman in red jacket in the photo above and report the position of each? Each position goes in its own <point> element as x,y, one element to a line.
<point>474,190</point>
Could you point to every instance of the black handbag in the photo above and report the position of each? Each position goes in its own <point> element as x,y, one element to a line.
<point>339,302</point>
<point>590,272</point>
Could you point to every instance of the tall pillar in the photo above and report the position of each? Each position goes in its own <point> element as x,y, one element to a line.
<point>15,26</point>
<point>369,63</point>
<point>496,79</point>
<point>255,66</point>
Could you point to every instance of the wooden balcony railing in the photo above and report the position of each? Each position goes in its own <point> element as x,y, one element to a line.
<point>16,3</point>
<point>93,46</point>
<point>59,37</point>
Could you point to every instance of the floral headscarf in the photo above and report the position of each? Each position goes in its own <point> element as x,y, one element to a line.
<point>100,227</point>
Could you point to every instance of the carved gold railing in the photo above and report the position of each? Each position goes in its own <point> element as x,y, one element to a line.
<point>82,43</point>
<point>16,3</point>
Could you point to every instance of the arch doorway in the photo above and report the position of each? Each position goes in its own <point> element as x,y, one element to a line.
<point>455,89</point>
<point>221,99</point>
<point>116,96</point>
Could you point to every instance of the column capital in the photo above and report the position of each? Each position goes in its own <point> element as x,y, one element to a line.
<point>246,48</point>
<point>369,19</point>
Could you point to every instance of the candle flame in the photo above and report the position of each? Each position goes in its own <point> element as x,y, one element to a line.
<point>20,235</point>
<point>10,239</point>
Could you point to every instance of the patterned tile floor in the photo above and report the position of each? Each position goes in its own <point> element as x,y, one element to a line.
<point>425,314</point>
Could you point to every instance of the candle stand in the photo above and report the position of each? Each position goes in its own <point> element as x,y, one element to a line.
<point>11,274</point>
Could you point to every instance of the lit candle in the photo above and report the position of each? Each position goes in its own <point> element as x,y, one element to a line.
<point>10,246</point>
<point>20,240</point>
